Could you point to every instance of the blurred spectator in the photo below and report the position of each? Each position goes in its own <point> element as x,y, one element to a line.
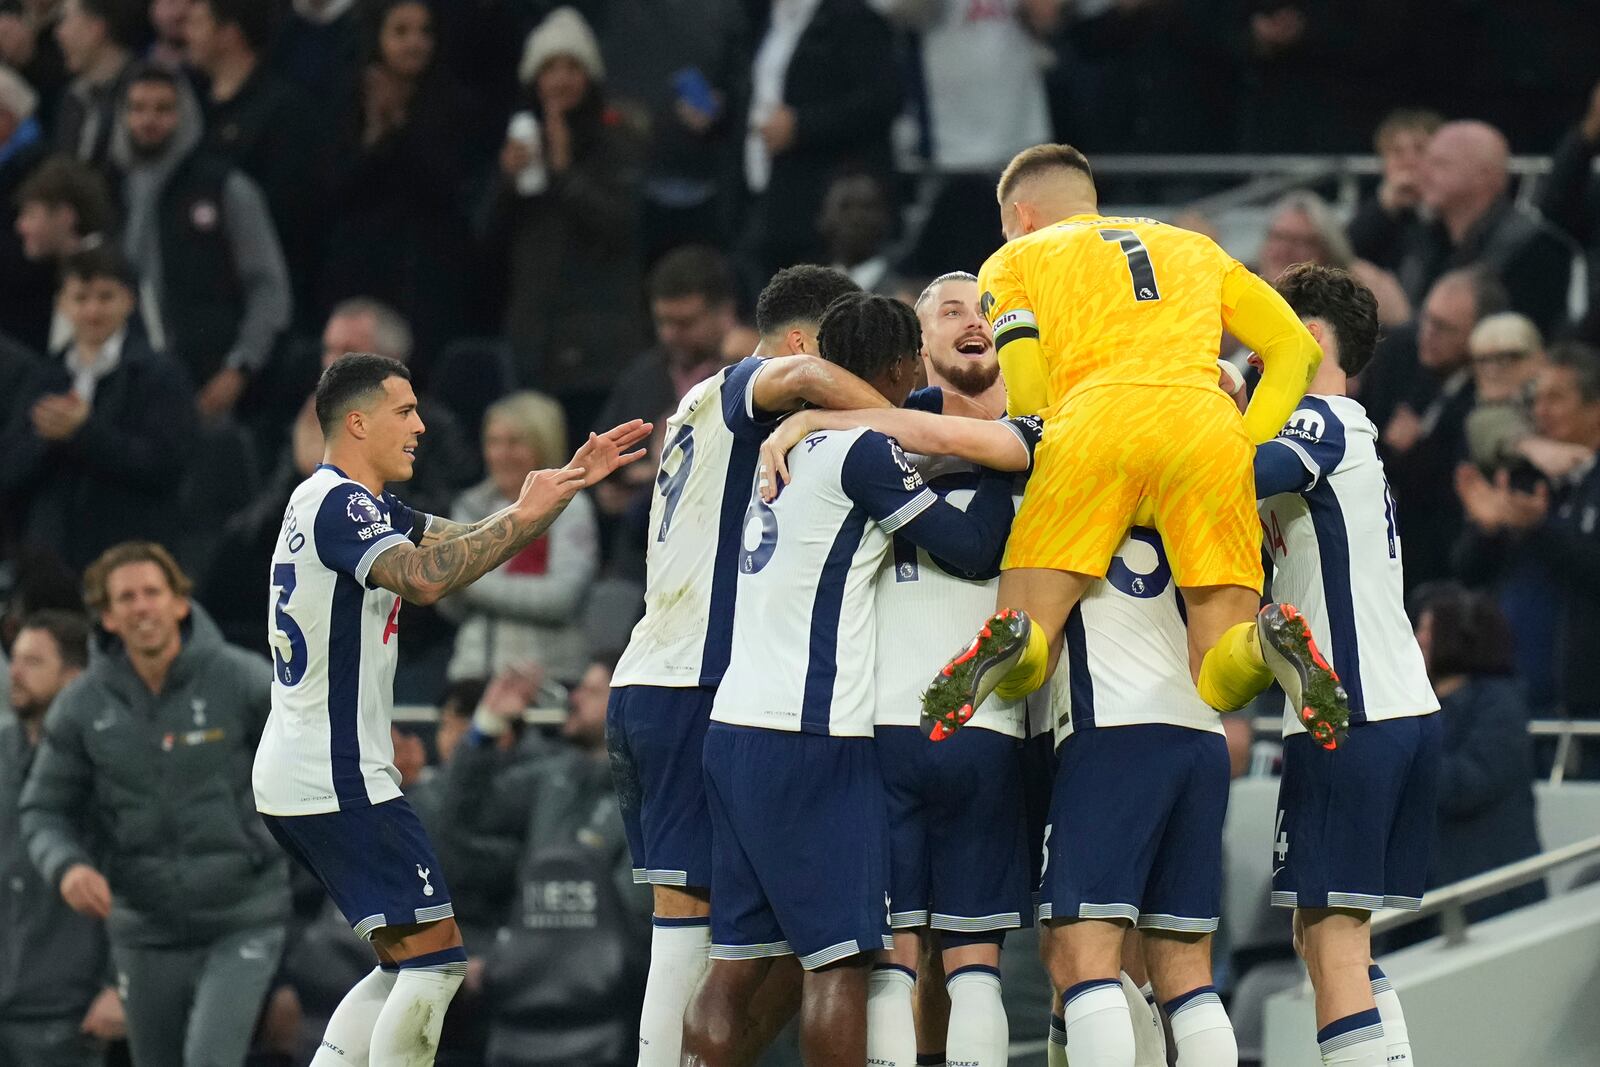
<point>22,146</point>
<point>681,69</point>
<point>1554,521</point>
<point>1423,424</point>
<point>1476,222</point>
<point>1507,355</point>
<point>1570,198</point>
<point>824,89</point>
<point>564,979</point>
<point>197,894</point>
<point>215,290</point>
<point>1302,229</point>
<point>55,1006</point>
<point>971,55</point>
<point>318,45</point>
<point>28,44</point>
<point>855,226</point>
<point>96,454</point>
<point>169,20</point>
<point>398,232</point>
<point>529,610</point>
<point>62,208</point>
<point>1378,230</point>
<point>692,305</point>
<point>257,121</point>
<point>567,203</point>
<point>97,39</point>
<point>1486,810</point>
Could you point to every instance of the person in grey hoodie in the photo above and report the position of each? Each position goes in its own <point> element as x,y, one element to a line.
<point>56,1007</point>
<point>216,291</point>
<point>152,747</point>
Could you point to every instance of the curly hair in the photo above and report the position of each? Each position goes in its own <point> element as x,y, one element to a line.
<point>799,295</point>
<point>1335,297</point>
<point>868,334</point>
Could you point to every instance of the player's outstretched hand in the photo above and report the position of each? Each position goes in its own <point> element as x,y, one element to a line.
<point>547,489</point>
<point>772,473</point>
<point>605,452</point>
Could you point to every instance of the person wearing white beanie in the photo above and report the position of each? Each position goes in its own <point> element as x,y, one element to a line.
<point>564,32</point>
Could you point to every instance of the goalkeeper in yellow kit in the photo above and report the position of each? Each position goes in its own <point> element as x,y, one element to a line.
<point>1110,329</point>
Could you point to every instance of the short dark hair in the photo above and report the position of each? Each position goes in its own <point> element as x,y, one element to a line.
<point>1334,296</point>
<point>126,20</point>
<point>68,629</point>
<point>62,181</point>
<point>254,19</point>
<point>97,577</point>
<point>1583,361</point>
<point>1405,119</point>
<point>350,381</point>
<point>867,334</point>
<point>1489,296</point>
<point>101,261</point>
<point>693,270</point>
<point>1470,635</point>
<point>800,294</point>
<point>151,73</point>
<point>461,698</point>
<point>1036,160</point>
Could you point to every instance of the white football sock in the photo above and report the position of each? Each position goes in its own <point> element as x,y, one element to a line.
<point>1149,1041</point>
<point>348,1038</point>
<point>1055,1050</point>
<point>407,1031</point>
<point>1201,1030</point>
<point>1396,1038</point>
<point>1099,1026</point>
<point>979,1035</point>
<point>1353,1041</point>
<point>678,957</point>
<point>891,1024</point>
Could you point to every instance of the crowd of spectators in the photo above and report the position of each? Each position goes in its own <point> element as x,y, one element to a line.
<point>558,216</point>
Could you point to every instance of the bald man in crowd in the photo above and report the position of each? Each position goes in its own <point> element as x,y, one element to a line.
<point>1466,187</point>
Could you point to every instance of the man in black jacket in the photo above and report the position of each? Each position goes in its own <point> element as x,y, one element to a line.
<point>97,39</point>
<point>55,1007</point>
<point>154,744</point>
<point>216,290</point>
<point>94,453</point>
<point>1570,197</point>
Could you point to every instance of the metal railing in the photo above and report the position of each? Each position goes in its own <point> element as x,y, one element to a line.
<point>1450,902</point>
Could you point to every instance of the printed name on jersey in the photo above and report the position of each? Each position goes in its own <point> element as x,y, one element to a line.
<point>1305,424</point>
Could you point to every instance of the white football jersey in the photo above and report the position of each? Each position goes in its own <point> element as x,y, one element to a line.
<point>804,635</point>
<point>1329,524</point>
<point>334,637</point>
<point>707,465</point>
<point>1125,652</point>
<point>928,610</point>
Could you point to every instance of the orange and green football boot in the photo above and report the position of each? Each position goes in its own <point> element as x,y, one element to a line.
<point>966,681</point>
<point>1311,684</point>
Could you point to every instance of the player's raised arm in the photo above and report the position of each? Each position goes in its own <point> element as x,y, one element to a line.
<point>1253,312</point>
<point>999,444</point>
<point>784,383</point>
<point>452,555</point>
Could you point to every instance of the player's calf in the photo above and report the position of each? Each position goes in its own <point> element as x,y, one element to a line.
<point>1180,968</point>
<point>833,1013</point>
<point>1085,962</point>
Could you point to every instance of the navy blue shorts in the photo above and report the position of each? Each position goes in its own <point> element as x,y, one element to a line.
<point>656,736</point>
<point>1136,828</point>
<point>799,845</point>
<point>375,862</point>
<point>1355,826</point>
<point>1037,760</point>
<point>958,853</point>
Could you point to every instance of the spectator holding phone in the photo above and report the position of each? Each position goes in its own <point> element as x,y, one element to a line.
<point>568,199</point>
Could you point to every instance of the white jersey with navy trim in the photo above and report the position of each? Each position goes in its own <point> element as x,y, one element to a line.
<point>1125,650</point>
<point>1329,524</point>
<point>707,465</point>
<point>804,637</point>
<point>326,745</point>
<point>927,609</point>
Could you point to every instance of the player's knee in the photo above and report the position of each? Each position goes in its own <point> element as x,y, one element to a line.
<point>676,902</point>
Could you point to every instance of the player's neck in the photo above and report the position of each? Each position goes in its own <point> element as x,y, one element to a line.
<point>352,466</point>
<point>1329,380</point>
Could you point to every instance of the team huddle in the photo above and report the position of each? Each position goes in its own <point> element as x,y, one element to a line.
<point>836,791</point>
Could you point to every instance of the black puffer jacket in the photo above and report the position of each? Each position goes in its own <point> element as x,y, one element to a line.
<point>164,782</point>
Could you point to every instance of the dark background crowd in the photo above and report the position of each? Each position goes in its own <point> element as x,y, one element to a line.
<point>559,218</point>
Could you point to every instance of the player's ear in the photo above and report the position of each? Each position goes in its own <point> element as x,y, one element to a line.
<point>355,424</point>
<point>796,342</point>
